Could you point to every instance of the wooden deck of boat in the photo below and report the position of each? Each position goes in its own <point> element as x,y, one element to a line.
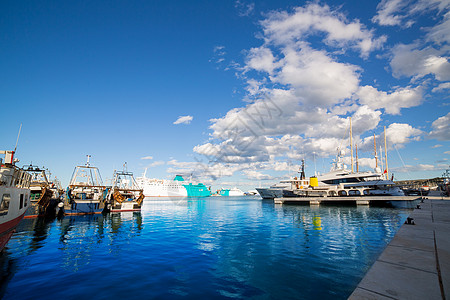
<point>356,199</point>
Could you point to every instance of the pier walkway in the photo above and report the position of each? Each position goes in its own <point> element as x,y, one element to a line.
<point>359,200</point>
<point>416,263</point>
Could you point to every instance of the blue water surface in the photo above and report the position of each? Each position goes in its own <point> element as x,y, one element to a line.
<point>199,248</point>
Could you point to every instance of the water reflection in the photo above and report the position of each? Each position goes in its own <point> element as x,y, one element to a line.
<point>81,237</point>
<point>8,268</point>
<point>210,248</point>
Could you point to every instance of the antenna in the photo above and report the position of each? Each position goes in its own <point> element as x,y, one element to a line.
<point>17,141</point>
<point>87,163</point>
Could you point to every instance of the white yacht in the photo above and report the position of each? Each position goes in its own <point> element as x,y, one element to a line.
<point>341,181</point>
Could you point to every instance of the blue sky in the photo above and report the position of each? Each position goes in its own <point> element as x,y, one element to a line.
<point>234,92</point>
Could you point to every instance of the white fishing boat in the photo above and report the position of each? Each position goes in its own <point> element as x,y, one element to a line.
<point>44,196</point>
<point>14,196</point>
<point>86,193</point>
<point>125,194</point>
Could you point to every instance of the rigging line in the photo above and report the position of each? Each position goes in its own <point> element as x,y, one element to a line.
<point>401,159</point>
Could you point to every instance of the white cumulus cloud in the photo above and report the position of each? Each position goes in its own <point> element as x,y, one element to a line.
<point>390,102</point>
<point>441,128</point>
<point>183,120</point>
<point>410,61</point>
<point>288,28</point>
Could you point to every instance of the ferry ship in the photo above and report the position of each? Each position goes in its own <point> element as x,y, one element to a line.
<point>177,187</point>
<point>231,192</point>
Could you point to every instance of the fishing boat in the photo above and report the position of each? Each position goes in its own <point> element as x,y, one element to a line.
<point>86,193</point>
<point>14,196</point>
<point>125,194</point>
<point>44,195</point>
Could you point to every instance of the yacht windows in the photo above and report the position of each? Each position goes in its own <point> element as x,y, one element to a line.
<point>354,193</point>
<point>4,205</point>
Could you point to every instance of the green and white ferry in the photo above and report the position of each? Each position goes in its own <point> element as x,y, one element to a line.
<point>177,187</point>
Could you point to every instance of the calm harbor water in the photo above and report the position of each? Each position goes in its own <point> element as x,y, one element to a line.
<point>213,248</point>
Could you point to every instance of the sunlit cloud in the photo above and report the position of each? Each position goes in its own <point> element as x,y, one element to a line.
<point>183,120</point>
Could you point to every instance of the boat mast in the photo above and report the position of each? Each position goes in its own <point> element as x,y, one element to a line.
<point>357,165</point>
<point>351,145</point>
<point>385,154</point>
<point>375,150</point>
<point>381,160</point>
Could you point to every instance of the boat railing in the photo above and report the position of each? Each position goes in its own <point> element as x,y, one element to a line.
<point>87,186</point>
<point>128,190</point>
<point>11,175</point>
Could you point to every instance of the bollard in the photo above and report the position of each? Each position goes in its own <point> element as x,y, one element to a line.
<point>410,221</point>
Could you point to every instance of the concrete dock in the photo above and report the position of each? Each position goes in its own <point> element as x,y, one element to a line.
<point>416,263</point>
<point>358,200</point>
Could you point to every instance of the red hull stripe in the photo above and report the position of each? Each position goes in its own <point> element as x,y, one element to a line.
<point>7,226</point>
<point>120,210</point>
<point>31,216</point>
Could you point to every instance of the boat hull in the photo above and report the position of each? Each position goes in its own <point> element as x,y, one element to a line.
<point>270,193</point>
<point>82,207</point>
<point>35,210</point>
<point>126,206</point>
<point>7,229</point>
<point>10,216</point>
